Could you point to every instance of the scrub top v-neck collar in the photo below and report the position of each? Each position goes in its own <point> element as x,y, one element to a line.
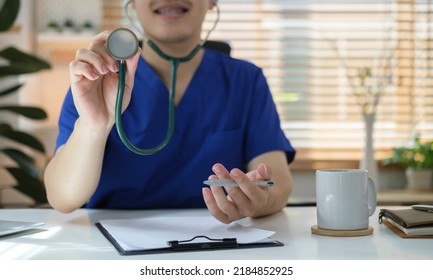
<point>195,85</point>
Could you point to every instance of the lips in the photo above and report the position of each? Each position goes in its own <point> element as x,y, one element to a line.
<point>175,9</point>
<point>171,11</point>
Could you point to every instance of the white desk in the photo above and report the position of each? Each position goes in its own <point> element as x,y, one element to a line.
<point>74,236</point>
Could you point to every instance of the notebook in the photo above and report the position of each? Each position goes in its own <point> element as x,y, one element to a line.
<point>10,227</point>
<point>408,222</point>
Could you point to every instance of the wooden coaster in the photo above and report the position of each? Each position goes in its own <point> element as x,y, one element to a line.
<point>341,233</point>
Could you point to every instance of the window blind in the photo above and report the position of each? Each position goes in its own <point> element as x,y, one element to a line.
<point>316,56</point>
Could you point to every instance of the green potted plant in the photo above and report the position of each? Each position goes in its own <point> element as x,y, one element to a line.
<point>53,26</point>
<point>19,146</point>
<point>69,26</point>
<point>88,28</point>
<point>418,161</point>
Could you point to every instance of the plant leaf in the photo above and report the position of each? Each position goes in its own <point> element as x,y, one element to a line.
<point>4,128</point>
<point>21,137</point>
<point>25,162</point>
<point>34,113</point>
<point>28,185</point>
<point>17,153</point>
<point>10,89</point>
<point>20,63</point>
<point>8,14</point>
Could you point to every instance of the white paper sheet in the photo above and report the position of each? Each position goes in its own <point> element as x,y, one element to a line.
<point>152,233</point>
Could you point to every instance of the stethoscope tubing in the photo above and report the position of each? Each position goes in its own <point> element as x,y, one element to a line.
<point>171,112</point>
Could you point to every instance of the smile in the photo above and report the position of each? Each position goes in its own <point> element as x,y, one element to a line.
<point>171,11</point>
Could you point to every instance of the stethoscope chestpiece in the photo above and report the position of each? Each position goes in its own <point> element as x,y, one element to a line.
<point>122,44</point>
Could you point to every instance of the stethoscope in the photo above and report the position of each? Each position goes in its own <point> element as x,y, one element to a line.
<point>122,44</point>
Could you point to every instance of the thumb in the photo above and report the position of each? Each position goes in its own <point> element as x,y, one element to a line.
<point>264,171</point>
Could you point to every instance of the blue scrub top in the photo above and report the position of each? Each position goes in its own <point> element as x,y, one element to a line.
<point>226,116</point>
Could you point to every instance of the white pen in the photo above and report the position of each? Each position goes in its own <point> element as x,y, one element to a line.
<point>232,183</point>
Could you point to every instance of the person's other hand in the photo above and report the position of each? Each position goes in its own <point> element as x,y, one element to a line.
<point>228,204</point>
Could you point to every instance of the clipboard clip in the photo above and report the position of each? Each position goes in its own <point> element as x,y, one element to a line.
<point>184,245</point>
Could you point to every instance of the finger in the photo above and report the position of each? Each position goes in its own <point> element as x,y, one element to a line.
<point>262,172</point>
<point>78,70</point>
<point>237,197</point>
<point>94,59</point>
<point>221,171</point>
<point>213,207</point>
<point>223,203</point>
<point>100,38</point>
<point>248,197</point>
<point>238,204</point>
<point>253,193</point>
<point>98,45</point>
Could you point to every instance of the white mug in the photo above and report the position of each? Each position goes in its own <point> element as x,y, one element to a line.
<point>346,198</point>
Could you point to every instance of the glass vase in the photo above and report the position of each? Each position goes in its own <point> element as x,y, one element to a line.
<point>368,161</point>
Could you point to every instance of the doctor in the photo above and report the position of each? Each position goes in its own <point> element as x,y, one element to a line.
<point>226,126</point>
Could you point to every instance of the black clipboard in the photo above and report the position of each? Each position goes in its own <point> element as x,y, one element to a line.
<point>174,246</point>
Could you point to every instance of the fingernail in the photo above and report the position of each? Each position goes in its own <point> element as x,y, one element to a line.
<point>113,67</point>
<point>217,169</point>
<point>235,173</point>
<point>105,69</point>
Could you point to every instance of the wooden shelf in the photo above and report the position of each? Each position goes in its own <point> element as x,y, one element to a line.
<point>388,197</point>
<point>405,197</point>
<point>61,48</point>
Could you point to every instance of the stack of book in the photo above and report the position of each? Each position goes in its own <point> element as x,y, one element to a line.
<point>415,222</point>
